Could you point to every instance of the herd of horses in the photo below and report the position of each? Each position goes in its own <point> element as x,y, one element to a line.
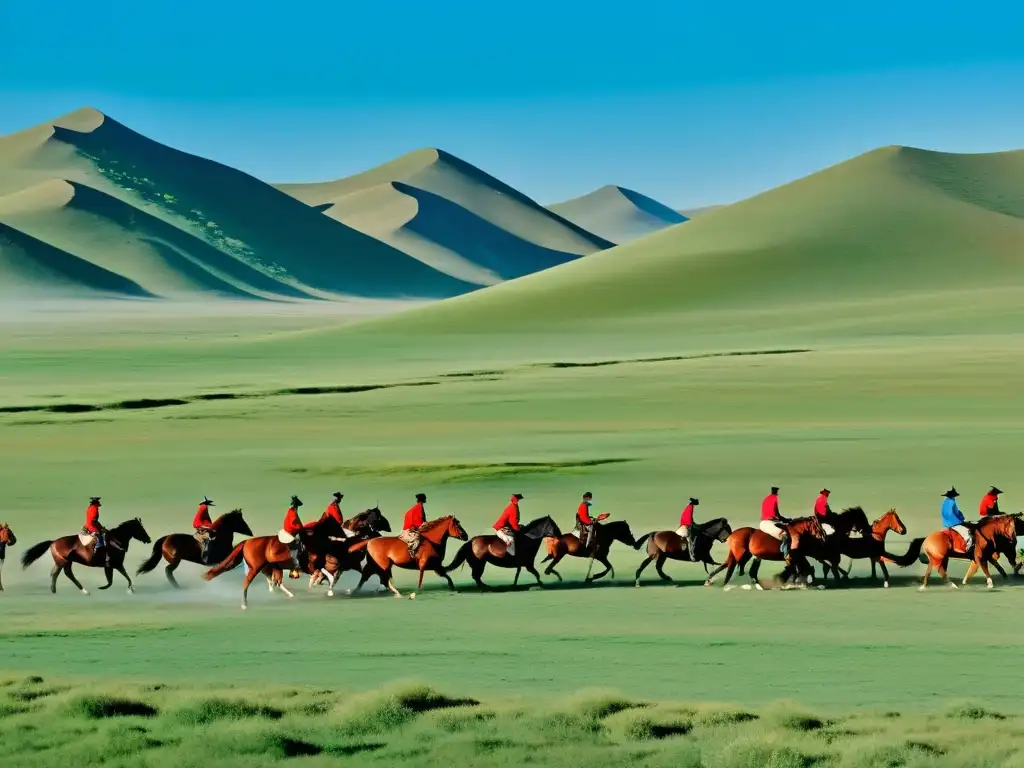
<point>361,544</point>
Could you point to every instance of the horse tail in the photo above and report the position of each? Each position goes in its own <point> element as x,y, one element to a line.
<point>910,557</point>
<point>33,553</point>
<point>460,556</point>
<point>231,561</point>
<point>642,539</point>
<point>359,546</point>
<point>150,564</point>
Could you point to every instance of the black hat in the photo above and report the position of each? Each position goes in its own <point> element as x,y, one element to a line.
<point>774,489</point>
<point>694,501</point>
<point>421,498</point>
<point>95,500</point>
<point>825,491</point>
<point>206,502</point>
<point>995,491</point>
<point>296,501</point>
<point>588,495</point>
<point>951,493</point>
<point>517,495</point>
<point>339,495</point>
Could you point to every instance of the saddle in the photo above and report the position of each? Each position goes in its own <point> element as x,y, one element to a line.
<point>958,542</point>
<point>284,537</point>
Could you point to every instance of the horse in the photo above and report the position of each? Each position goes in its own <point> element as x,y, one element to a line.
<point>747,543</point>
<point>176,547</point>
<point>68,550</point>
<point>828,552</point>
<point>481,550</point>
<point>569,544</point>
<point>873,547</point>
<point>939,548</point>
<point>386,552</point>
<point>7,537</point>
<point>668,545</point>
<point>338,557</point>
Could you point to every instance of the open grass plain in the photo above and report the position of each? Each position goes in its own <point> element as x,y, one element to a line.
<point>859,329</point>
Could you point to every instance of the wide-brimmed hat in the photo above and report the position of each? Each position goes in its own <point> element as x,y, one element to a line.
<point>588,495</point>
<point>775,489</point>
<point>694,500</point>
<point>95,500</point>
<point>339,495</point>
<point>825,491</point>
<point>206,502</point>
<point>995,491</point>
<point>296,501</point>
<point>951,493</point>
<point>421,498</point>
<point>517,496</point>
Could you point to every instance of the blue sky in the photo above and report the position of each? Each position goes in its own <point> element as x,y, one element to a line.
<point>692,103</point>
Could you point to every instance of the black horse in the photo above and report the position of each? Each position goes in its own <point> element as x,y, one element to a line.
<point>481,550</point>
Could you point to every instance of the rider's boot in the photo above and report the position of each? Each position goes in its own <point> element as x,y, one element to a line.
<point>691,546</point>
<point>784,545</point>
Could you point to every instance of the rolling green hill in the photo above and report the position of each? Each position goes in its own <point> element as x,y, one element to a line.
<point>896,222</point>
<point>208,226</point>
<point>618,214</point>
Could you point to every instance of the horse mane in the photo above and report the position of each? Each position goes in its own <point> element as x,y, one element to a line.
<point>125,523</point>
<point>883,516</point>
<point>432,524</point>
<point>362,516</point>
<point>852,511</point>
<point>537,521</point>
<point>228,515</point>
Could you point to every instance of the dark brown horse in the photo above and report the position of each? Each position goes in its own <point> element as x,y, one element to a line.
<point>69,550</point>
<point>873,547</point>
<point>753,543</point>
<point>668,545</point>
<point>337,556</point>
<point>176,547</point>
<point>481,550</point>
<point>387,552</point>
<point>989,537</point>
<point>829,551</point>
<point>7,538</point>
<point>569,544</point>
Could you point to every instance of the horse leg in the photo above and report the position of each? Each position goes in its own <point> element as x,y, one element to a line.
<point>971,570</point>
<point>515,581</point>
<point>607,568</point>
<point>419,585</point>
<point>76,582</point>
<point>874,563</point>
<point>927,573</point>
<point>249,576</point>
<point>279,578</point>
<point>444,574</point>
<point>54,573</point>
<point>109,573</point>
<point>386,577</point>
<point>270,580</point>
<point>658,567</point>
<point>988,576</point>
<point>170,569</point>
<point>330,581</point>
<point>477,570</point>
<point>885,572</point>
<point>730,563</point>
<point>551,567</point>
<point>640,570</point>
<point>754,568</point>
<point>942,572</point>
<point>533,572</point>
<point>121,570</point>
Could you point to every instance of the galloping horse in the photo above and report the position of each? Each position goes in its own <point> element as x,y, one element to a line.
<point>387,552</point>
<point>828,551</point>
<point>481,550</point>
<point>176,547</point>
<point>873,547</point>
<point>568,544</point>
<point>68,550</point>
<point>747,543</point>
<point>7,537</point>
<point>668,545</point>
<point>940,548</point>
<point>338,556</point>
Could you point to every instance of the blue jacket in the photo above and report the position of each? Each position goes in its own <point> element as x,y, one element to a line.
<point>951,514</point>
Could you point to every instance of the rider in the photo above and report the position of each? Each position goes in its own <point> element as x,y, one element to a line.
<point>953,518</point>
<point>291,532</point>
<point>507,525</point>
<point>414,518</point>
<point>584,522</point>
<point>204,526</point>
<point>824,511</point>
<point>772,520</point>
<point>990,503</point>
<point>93,527</point>
<point>685,529</point>
<point>333,512</point>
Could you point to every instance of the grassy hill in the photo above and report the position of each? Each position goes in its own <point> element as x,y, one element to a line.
<point>890,225</point>
<point>446,176</point>
<point>618,214</point>
<point>189,224</point>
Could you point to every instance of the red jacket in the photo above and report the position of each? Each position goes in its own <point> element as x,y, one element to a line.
<point>333,511</point>
<point>821,506</point>
<point>202,518</point>
<point>415,517</point>
<point>292,524</point>
<point>583,513</point>
<point>687,517</point>
<point>92,519</point>
<point>509,518</point>
<point>989,505</point>
<point>770,507</point>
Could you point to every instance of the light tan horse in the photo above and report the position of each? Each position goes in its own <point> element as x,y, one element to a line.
<point>990,535</point>
<point>387,552</point>
<point>262,554</point>
<point>746,543</point>
<point>7,538</point>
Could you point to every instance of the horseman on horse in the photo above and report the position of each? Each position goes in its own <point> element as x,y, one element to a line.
<point>291,532</point>
<point>772,521</point>
<point>953,519</point>
<point>587,524</point>
<point>205,529</point>
<point>688,529</point>
<point>506,526</point>
<point>824,512</point>
<point>415,518</point>
<point>94,531</point>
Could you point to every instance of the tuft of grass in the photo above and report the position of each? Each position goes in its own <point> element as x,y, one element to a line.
<point>102,707</point>
<point>390,710</point>
<point>973,712</point>
<point>213,710</point>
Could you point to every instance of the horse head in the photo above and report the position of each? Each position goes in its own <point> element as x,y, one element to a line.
<point>456,531</point>
<point>7,535</point>
<point>436,530</point>
<point>542,528</point>
<point>376,520</point>
<point>718,529</point>
<point>619,531</point>
<point>854,519</point>
<point>890,521</point>
<point>132,529</point>
<point>233,522</point>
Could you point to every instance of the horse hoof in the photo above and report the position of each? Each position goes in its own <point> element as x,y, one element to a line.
<point>348,591</point>
<point>728,588</point>
<point>885,585</point>
<point>746,587</point>
<point>821,586</point>
<point>244,606</point>
<point>637,583</point>
<point>922,588</point>
<point>989,584</point>
<point>131,590</point>
<point>759,588</point>
<point>810,578</point>
<point>708,583</point>
<point>85,591</point>
<point>412,596</point>
<point>330,593</point>
<point>953,585</point>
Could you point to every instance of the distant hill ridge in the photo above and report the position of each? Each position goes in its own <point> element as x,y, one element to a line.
<point>618,214</point>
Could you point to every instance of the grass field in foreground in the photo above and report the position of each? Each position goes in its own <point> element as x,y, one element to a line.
<point>101,723</point>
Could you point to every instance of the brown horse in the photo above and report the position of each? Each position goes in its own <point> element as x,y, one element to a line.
<point>176,547</point>
<point>569,544</point>
<point>989,534</point>
<point>7,538</point>
<point>747,543</point>
<point>69,550</point>
<point>337,555</point>
<point>481,550</point>
<point>829,551</point>
<point>668,545</point>
<point>387,552</point>
<point>873,547</point>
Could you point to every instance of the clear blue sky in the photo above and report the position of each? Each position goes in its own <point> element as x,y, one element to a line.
<point>690,102</point>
